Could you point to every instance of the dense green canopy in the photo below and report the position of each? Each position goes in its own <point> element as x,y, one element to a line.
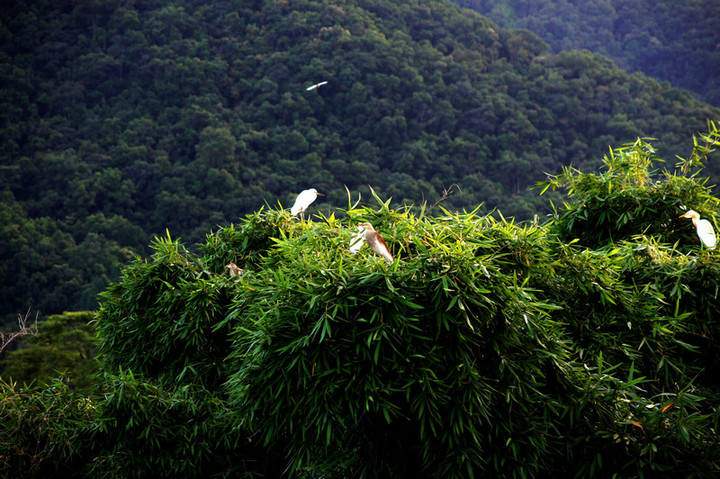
<point>488,348</point>
<point>122,119</point>
<point>661,38</point>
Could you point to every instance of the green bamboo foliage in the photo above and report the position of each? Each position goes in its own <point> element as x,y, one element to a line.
<point>142,429</point>
<point>133,428</point>
<point>42,432</point>
<point>585,346</point>
<point>247,244</point>
<point>627,200</point>
<point>158,320</point>
<point>689,286</point>
<point>444,363</point>
<point>652,269</point>
<point>484,348</point>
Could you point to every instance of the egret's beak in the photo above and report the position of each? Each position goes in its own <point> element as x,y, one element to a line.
<point>319,194</point>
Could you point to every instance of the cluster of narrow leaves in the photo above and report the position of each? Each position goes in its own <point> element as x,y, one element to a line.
<point>629,199</point>
<point>649,266</point>
<point>487,348</point>
<point>159,320</point>
<point>142,429</point>
<point>135,429</point>
<point>41,432</point>
<point>439,363</point>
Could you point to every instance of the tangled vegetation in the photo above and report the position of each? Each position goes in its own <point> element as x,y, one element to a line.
<point>487,348</point>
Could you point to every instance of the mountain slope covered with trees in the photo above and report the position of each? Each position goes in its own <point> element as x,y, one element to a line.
<point>121,120</point>
<point>664,39</point>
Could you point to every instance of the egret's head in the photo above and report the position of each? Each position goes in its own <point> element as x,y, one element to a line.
<point>691,214</point>
<point>313,190</point>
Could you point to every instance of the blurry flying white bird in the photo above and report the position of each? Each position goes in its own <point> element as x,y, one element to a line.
<point>317,85</point>
<point>704,228</point>
<point>303,200</point>
<point>376,242</point>
<point>358,240</point>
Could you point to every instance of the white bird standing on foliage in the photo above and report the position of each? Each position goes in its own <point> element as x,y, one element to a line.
<point>303,200</point>
<point>376,242</point>
<point>704,228</point>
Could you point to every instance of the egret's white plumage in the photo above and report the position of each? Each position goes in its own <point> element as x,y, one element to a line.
<point>358,240</point>
<point>704,229</point>
<point>376,242</point>
<point>317,85</point>
<point>303,200</point>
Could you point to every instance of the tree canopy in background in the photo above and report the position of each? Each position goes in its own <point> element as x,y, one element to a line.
<point>663,39</point>
<point>64,347</point>
<point>123,119</point>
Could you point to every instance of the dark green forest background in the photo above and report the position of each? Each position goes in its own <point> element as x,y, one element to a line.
<point>661,38</point>
<point>123,119</point>
<point>145,145</point>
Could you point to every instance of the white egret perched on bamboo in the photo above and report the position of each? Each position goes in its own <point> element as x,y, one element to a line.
<point>704,228</point>
<point>303,200</point>
<point>376,242</point>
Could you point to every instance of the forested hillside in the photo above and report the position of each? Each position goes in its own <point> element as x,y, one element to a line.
<point>123,119</point>
<point>665,39</point>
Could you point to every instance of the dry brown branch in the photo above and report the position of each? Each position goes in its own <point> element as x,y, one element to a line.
<point>447,193</point>
<point>24,330</point>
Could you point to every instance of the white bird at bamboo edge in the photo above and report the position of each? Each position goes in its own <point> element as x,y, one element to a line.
<point>376,242</point>
<point>704,229</point>
<point>303,200</point>
<point>317,85</point>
